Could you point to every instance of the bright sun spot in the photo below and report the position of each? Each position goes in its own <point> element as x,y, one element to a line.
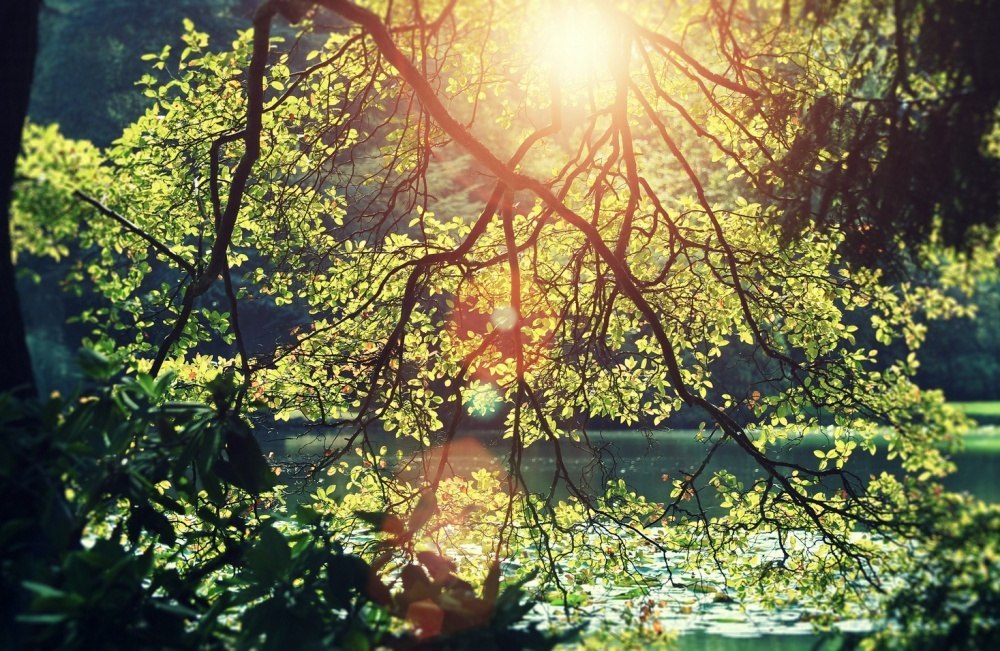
<point>574,40</point>
<point>504,318</point>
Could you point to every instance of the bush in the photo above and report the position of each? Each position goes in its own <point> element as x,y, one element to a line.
<point>131,522</point>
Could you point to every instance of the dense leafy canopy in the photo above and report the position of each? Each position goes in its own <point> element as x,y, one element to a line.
<point>405,216</point>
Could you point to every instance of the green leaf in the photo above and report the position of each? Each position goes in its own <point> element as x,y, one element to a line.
<point>425,509</point>
<point>270,556</point>
<point>246,467</point>
<point>43,590</point>
<point>95,365</point>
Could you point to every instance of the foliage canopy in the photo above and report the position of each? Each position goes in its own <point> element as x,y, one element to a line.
<point>445,220</point>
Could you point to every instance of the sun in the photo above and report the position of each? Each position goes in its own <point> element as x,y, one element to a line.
<point>574,40</point>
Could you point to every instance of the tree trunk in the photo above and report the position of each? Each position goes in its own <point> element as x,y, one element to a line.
<point>18,46</point>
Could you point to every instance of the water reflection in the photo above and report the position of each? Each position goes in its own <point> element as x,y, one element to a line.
<point>647,464</point>
<point>643,461</point>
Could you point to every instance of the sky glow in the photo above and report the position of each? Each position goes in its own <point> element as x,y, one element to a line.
<point>574,41</point>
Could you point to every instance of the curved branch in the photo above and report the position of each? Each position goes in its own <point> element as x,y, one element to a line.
<point>237,188</point>
<point>135,229</point>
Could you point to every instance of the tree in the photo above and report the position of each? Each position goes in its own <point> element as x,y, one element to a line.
<point>90,52</point>
<point>927,120</point>
<point>460,219</point>
<point>19,36</point>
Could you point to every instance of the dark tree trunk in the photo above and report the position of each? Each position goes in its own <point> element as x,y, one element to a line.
<point>18,45</point>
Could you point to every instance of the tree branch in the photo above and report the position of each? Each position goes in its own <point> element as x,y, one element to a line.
<point>135,229</point>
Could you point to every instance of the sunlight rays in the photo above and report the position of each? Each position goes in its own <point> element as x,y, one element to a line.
<point>575,41</point>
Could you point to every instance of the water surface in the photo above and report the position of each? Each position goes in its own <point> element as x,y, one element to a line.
<point>648,463</point>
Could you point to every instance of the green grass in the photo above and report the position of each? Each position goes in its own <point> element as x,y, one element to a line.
<point>986,413</point>
<point>984,443</point>
<point>991,408</point>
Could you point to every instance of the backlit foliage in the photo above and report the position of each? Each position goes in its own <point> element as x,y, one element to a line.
<point>404,215</point>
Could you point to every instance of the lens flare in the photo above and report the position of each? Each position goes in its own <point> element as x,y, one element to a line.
<point>574,40</point>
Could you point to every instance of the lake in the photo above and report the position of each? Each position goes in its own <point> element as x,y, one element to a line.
<point>642,461</point>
